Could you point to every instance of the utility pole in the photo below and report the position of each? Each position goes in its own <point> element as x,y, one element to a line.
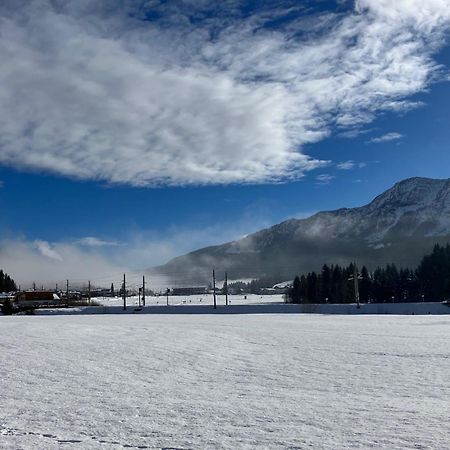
<point>355,278</point>
<point>89,291</point>
<point>124,291</point>
<point>226,288</point>
<point>355,275</point>
<point>143,290</point>
<point>214,289</point>
<point>167,296</point>
<point>67,293</point>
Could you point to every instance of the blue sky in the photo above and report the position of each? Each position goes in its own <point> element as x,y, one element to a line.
<point>135,131</point>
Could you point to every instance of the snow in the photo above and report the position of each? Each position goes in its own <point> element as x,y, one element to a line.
<point>224,382</point>
<point>283,285</point>
<point>205,299</point>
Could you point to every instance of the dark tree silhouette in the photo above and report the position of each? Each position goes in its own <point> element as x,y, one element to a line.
<point>7,284</point>
<point>429,282</point>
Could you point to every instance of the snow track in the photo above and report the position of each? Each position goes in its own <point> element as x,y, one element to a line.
<point>255,381</point>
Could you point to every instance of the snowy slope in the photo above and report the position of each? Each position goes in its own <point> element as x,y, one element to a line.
<point>229,382</point>
<point>398,226</point>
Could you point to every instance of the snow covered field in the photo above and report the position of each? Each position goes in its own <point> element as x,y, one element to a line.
<point>206,299</point>
<point>204,381</point>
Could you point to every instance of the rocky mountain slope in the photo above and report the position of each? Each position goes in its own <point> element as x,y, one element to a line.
<point>398,226</point>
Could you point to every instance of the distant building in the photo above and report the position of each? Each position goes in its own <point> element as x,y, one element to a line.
<point>198,290</point>
<point>102,293</point>
<point>283,285</point>
<point>6,296</point>
<point>282,288</point>
<point>37,298</point>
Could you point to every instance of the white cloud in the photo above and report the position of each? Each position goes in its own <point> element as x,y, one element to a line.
<point>388,137</point>
<point>92,241</point>
<point>354,132</point>
<point>45,249</point>
<point>91,91</point>
<point>346,165</point>
<point>350,165</point>
<point>324,179</point>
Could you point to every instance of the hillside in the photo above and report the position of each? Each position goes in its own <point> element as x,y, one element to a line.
<point>400,225</point>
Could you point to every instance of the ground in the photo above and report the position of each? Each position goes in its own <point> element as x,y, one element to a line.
<point>206,299</point>
<point>225,382</point>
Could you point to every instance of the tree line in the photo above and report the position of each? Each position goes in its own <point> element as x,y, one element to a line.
<point>430,281</point>
<point>7,284</point>
<point>254,286</point>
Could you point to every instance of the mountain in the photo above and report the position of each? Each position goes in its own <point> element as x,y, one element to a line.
<point>399,226</point>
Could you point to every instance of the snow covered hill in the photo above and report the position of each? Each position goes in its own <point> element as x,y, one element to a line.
<point>398,226</point>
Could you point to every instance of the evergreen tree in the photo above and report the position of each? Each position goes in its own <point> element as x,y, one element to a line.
<point>325,284</point>
<point>431,279</point>
<point>311,287</point>
<point>303,289</point>
<point>336,285</point>
<point>7,284</point>
<point>365,286</point>
<point>348,286</point>
<point>433,273</point>
<point>295,293</point>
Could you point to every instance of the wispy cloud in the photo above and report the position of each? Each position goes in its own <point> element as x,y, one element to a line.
<point>324,179</point>
<point>198,92</point>
<point>92,241</point>
<point>388,137</point>
<point>354,132</point>
<point>346,165</point>
<point>350,165</point>
<point>45,249</point>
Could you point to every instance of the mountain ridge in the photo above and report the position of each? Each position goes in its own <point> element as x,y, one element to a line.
<point>397,226</point>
